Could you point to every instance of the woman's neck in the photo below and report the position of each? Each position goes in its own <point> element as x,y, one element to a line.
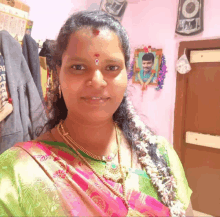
<point>98,138</point>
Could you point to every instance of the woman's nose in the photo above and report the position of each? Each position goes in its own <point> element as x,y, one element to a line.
<point>98,79</point>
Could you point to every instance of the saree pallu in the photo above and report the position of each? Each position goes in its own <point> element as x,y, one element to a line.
<point>38,179</point>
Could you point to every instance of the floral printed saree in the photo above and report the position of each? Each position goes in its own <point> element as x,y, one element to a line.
<point>49,179</point>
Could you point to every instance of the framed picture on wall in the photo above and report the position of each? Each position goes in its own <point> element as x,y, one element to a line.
<point>147,66</point>
<point>115,8</point>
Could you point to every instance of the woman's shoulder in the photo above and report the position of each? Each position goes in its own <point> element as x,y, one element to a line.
<point>9,157</point>
<point>183,190</point>
<point>22,152</point>
<point>165,147</point>
<point>23,175</point>
<point>51,136</point>
<point>163,142</point>
<point>45,137</point>
<point>16,160</point>
<point>16,152</point>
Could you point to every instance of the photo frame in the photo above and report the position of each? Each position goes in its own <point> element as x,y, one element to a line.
<point>143,71</point>
<point>115,8</point>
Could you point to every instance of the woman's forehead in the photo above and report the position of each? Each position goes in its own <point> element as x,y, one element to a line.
<point>103,33</point>
<point>85,41</point>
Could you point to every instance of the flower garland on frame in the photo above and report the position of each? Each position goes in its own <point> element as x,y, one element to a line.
<point>162,72</point>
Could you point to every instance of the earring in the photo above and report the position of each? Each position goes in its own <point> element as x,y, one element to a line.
<point>60,93</point>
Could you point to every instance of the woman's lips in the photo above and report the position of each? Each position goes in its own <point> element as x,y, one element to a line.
<point>95,101</point>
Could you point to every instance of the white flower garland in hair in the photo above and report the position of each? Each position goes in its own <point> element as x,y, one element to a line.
<point>167,189</point>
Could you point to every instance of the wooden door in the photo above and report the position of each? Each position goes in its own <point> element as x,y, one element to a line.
<point>197,124</point>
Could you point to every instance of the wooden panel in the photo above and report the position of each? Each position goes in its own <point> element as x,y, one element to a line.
<point>181,86</point>
<point>201,163</point>
<point>196,213</point>
<point>197,110</point>
<point>203,140</point>
<point>205,56</point>
<point>204,182</point>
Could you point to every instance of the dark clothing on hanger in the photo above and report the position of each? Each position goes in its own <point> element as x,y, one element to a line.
<point>30,52</point>
<point>5,106</point>
<point>28,111</point>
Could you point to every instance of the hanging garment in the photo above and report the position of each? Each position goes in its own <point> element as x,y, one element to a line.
<point>28,111</point>
<point>5,107</point>
<point>30,52</point>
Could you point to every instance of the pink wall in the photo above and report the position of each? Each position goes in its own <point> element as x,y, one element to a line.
<point>153,22</point>
<point>148,22</point>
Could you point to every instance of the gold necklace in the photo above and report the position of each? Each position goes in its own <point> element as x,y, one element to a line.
<point>103,158</point>
<point>112,171</point>
<point>68,140</point>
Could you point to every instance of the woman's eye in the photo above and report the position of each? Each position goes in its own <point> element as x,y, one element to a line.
<point>78,67</point>
<point>112,68</point>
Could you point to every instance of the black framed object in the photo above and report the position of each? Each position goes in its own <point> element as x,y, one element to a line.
<point>190,17</point>
<point>115,8</point>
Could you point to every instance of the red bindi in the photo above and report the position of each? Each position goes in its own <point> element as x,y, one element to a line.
<point>97,55</point>
<point>96,31</point>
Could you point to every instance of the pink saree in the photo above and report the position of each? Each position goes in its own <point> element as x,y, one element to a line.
<point>61,185</point>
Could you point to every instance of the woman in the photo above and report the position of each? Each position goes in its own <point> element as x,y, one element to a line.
<point>98,159</point>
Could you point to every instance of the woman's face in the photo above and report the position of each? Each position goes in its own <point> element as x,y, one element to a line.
<point>81,78</point>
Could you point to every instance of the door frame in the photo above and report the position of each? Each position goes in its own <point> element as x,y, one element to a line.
<point>179,136</point>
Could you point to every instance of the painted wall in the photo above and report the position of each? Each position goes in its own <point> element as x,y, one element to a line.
<point>148,22</point>
<point>153,22</point>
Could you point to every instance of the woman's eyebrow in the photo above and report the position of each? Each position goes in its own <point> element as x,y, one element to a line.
<point>77,59</point>
<point>113,60</point>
